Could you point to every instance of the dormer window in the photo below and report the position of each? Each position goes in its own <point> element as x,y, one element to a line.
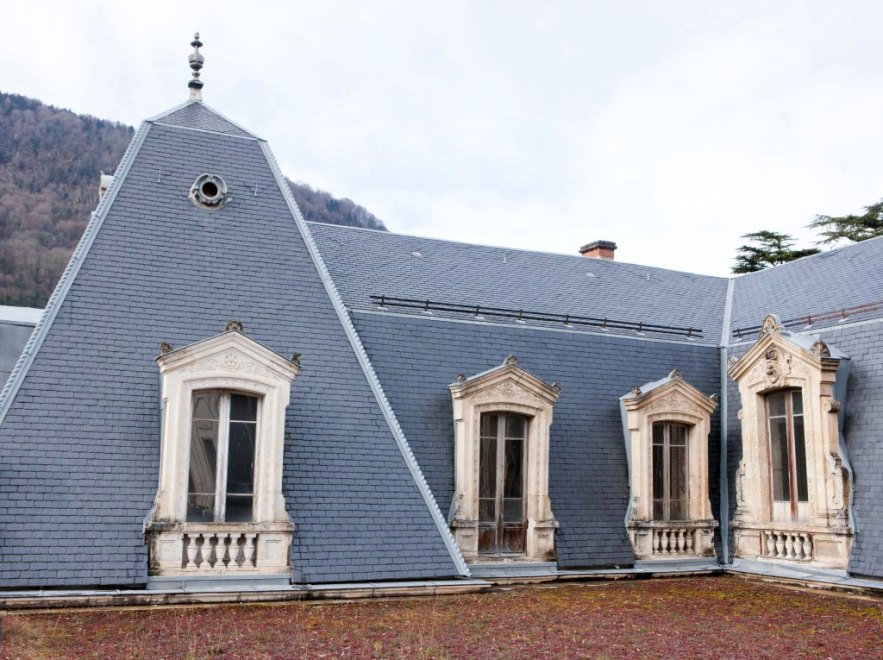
<point>501,426</point>
<point>667,445</point>
<point>219,507</point>
<point>793,484</point>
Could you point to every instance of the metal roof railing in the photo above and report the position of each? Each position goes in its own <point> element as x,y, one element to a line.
<point>523,315</point>
<point>809,320</point>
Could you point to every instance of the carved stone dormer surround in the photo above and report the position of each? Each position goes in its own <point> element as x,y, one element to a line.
<point>230,361</point>
<point>672,400</point>
<point>507,388</point>
<point>823,537</point>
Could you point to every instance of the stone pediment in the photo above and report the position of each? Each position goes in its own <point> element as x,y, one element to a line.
<point>507,383</point>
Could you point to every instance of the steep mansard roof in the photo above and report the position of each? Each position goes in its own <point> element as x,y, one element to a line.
<point>365,263</point>
<point>79,442</point>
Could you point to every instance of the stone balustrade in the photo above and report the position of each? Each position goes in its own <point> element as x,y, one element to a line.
<point>674,541</point>
<point>219,550</point>
<point>797,546</point>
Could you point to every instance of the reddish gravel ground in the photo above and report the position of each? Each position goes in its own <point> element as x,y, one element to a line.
<point>688,617</point>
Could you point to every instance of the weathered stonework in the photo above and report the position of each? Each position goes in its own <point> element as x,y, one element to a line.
<point>823,535</point>
<point>672,401</point>
<point>229,361</point>
<point>508,388</point>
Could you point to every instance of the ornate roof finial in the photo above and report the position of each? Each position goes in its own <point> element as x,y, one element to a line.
<point>196,61</point>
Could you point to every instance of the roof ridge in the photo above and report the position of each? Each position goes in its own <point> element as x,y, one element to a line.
<point>612,263</point>
<point>159,119</point>
<point>818,255</point>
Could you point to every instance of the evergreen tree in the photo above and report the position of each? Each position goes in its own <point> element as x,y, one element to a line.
<point>852,228</point>
<point>765,249</point>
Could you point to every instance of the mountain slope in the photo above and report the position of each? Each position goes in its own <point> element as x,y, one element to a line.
<point>50,161</point>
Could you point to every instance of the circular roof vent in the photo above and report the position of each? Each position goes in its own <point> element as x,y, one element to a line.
<point>209,191</point>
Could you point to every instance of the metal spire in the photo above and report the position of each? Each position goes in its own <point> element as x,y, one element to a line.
<point>196,60</point>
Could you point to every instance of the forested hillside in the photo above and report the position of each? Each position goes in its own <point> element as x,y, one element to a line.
<point>50,161</point>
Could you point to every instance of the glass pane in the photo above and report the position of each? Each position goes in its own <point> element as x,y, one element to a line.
<point>800,460</point>
<point>206,405</point>
<point>658,433</point>
<point>797,402</point>
<point>513,510</point>
<point>489,425</point>
<point>487,480</point>
<point>658,471</point>
<point>677,479</point>
<point>658,509</point>
<point>487,509</point>
<point>678,435</point>
<point>203,462</point>
<point>515,426</point>
<point>514,476</point>
<point>239,508</point>
<point>243,408</point>
<point>779,457</point>
<point>677,510</point>
<point>776,403</point>
<point>240,458</point>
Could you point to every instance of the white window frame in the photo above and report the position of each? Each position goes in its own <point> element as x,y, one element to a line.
<point>823,533</point>
<point>230,362</point>
<point>507,388</point>
<point>670,400</point>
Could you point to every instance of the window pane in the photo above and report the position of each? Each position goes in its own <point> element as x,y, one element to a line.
<point>513,509</point>
<point>489,425</point>
<point>677,479</point>
<point>678,435</point>
<point>658,433</point>
<point>800,460</point>
<point>658,471</point>
<point>514,475</point>
<point>203,461</point>
<point>797,402</point>
<point>239,508</point>
<point>487,509</point>
<point>677,510</point>
<point>243,408</point>
<point>779,457</point>
<point>515,426</point>
<point>240,458</point>
<point>206,405</point>
<point>776,403</point>
<point>487,480</point>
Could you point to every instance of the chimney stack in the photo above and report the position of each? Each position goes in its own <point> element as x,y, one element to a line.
<point>598,250</point>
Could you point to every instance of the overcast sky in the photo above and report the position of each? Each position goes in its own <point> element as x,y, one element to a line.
<point>669,127</point>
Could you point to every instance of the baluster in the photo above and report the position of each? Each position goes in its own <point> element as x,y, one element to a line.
<point>682,541</point>
<point>807,546</point>
<point>190,543</point>
<point>251,543</point>
<point>226,556</point>
<point>780,545</point>
<point>790,546</point>
<point>691,540</point>
<point>212,557</point>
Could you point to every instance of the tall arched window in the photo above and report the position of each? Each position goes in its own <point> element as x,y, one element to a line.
<point>501,523</point>
<point>787,454</point>
<point>670,491</point>
<point>222,457</point>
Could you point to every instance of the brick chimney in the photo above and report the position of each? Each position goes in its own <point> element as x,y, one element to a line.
<point>598,250</point>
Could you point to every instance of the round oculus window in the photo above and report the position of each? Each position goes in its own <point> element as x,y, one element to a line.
<point>209,191</point>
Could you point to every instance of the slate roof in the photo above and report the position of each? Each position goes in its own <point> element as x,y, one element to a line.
<point>416,358</point>
<point>196,115</point>
<point>824,283</point>
<point>367,262</point>
<point>79,443</point>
